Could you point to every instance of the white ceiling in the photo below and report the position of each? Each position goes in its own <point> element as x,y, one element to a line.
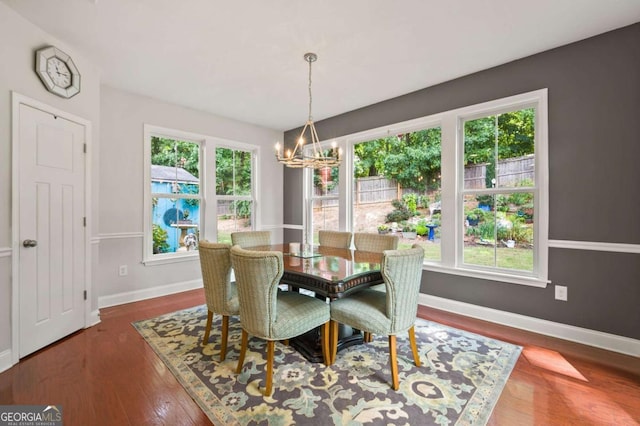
<point>244,59</point>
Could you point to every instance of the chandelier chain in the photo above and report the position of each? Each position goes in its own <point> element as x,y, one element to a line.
<point>310,96</point>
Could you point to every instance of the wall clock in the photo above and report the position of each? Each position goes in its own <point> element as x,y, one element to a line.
<point>57,72</point>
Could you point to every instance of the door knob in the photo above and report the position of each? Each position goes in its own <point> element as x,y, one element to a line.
<point>29,243</point>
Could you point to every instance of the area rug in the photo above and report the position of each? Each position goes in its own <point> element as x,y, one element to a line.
<point>459,382</point>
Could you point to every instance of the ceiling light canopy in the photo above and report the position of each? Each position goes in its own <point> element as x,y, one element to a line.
<point>314,156</point>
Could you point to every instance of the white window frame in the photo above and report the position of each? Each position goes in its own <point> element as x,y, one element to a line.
<point>452,182</point>
<point>207,196</point>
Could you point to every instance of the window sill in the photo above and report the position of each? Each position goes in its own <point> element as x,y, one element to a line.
<point>172,258</point>
<point>486,275</point>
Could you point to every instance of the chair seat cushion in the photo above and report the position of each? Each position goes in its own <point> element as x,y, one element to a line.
<point>364,310</point>
<point>298,314</point>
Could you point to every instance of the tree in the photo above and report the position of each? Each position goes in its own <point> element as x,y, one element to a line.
<point>174,153</point>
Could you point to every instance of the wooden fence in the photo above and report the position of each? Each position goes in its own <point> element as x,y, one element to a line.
<point>510,172</point>
<point>378,189</point>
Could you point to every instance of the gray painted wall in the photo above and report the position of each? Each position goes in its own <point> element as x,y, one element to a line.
<point>594,123</point>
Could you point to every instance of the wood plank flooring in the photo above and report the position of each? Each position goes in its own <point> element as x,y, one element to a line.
<point>108,375</point>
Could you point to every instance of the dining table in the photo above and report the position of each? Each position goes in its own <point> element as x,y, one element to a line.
<point>327,273</point>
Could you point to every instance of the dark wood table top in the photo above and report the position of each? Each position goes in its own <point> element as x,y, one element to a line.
<point>330,272</point>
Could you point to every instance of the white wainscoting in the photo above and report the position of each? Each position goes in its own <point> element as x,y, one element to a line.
<point>595,246</point>
<point>120,235</point>
<point>6,251</point>
<point>585,336</point>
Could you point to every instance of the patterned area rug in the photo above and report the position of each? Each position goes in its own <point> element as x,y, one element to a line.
<point>459,382</point>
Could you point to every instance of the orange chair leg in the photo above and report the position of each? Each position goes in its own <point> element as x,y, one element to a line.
<point>394,362</point>
<point>334,341</point>
<point>225,334</point>
<point>243,350</point>
<point>270,348</point>
<point>325,337</point>
<point>414,347</point>
<point>207,328</point>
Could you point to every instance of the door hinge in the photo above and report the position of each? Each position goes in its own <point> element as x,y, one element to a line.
<point>85,295</point>
<point>84,221</point>
<point>84,148</point>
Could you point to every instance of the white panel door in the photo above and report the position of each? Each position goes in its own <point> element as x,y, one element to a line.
<point>52,232</point>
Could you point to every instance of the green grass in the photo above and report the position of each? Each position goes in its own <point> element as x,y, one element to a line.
<point>508,258</point>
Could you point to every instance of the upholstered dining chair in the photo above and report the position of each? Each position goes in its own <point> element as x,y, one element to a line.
<point>376,243</point>
<point>269,314</point>
<point>385,313</point>
<point>337,239</point>
<point>251,238</point>
<point>220,293</point>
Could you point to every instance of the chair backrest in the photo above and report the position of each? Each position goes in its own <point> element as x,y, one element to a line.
<point>257,274</point>
<point>335,239</point>
<point>376,243</point>
<point>251,238</point>
<point>215,263</point>
<point>402,274</point>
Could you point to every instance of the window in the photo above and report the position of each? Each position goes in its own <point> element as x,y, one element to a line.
<point>176,187</point>
<point>176,195</point>
<point>471,183</point>
<point>323,202</point>
<point>499,190</point>
<point>396,181</point>
<point>234,169</point>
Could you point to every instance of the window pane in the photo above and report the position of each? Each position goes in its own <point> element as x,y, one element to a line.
<point>325,211</point>
<point>233,216</point>
<point>174,166</point>
<point>175,224</point>
<point>499,150</point>
<point>325,216</point>
<point>233,172</point>
<point>499,231</point>
<point>397,187</point>
<point>479,152</point>
<point>516,136</point>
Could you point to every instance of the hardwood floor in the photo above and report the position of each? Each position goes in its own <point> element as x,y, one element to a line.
<point>108,375</point>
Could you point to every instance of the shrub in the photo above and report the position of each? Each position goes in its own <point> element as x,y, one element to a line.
<point>400,213</point>
<point>411,201</point>
<point>160,237</point>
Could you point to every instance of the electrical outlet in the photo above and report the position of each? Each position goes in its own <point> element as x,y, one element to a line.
<point>123,270</point>
<point>561,292</point>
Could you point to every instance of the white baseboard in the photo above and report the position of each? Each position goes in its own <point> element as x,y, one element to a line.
<point>611,342</point>
<point>5,360</point>
<point>147,293</point>
<point>93,319</point>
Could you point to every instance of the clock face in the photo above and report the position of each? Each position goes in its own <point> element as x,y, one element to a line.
<point>57,72</point>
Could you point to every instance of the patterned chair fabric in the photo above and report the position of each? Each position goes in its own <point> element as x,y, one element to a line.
<point>220,293</point>
<point>335,239</point>
<point>376,243</point>
<point>251,238</point>
<point>269,314</point>
<point>387,313</point>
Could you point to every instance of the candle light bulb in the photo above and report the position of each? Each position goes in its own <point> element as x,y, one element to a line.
<point>278,147</point>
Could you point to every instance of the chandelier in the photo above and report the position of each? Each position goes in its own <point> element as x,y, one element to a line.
<point>313,157</point>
